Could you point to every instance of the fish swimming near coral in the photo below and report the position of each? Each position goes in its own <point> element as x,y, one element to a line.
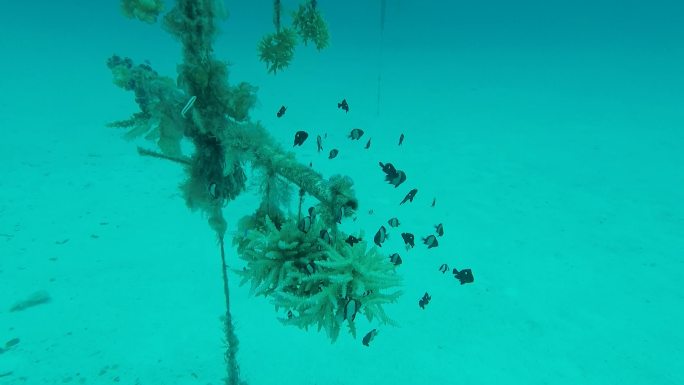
<point>300,138</point>
<point>343,105</point>
<point>409,197</point>
<point>351,308</point>
<point>393,222</point>
<point>281,111</point>
<point>444,268</point>
<point>333,153</point>
<point>408,240</point>
<point>355,134</point>
<point>352,240</point>
<point>368,338</point>
<point>439,229</point>
<point>395,259</point>
<point>304,224</point>
<point>380,236</point>
<point>325,236</point>
<point>319,143</point>
<point>388,168</point>
<point>464,276</point>
<point>425,300</point>
<point>430,241</point>
<point>392,175</point>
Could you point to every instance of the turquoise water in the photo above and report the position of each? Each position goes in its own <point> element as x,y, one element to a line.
<point>549,133</point>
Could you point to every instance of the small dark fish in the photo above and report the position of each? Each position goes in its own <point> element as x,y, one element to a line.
<point>425,300</point>
<point>310,164</point>
<point>369,337</point>
<point>370,212</point>
<point>444,268</point>
<point>395,259</point>
<point>434,200</point>
<point>350,309</point>
<point>300,138</point>
<point>11,343</point>
<point>289,314</point>
<point>333,153</point>
<point>343,105</point>
<point>388,168</point>
<point>281,111</point>
<point>394,222</point>
<point>352,240</point>
<point>408,239</point>
<point>401,139</point>
<point>430,241</point>
<point>310,267</point>
<point>380,236</point>
<point>312,212</point>
<point>464,276</point>
<point>409,197</point>
<point>319,143</point>
<point>356,134</point>
<point>325,236</point>
<point>213,192</point>
<point>439,229</point>
<point>368,144</point>
<point>340,215</point>
<point>396,179</point>
<point>304,224</point>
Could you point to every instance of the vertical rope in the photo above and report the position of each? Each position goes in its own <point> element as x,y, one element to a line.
<point>233,377</point>
<point>276,14</point>
<point>383,7</point>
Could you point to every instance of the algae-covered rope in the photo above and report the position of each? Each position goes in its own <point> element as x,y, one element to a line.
<point>229,330</point>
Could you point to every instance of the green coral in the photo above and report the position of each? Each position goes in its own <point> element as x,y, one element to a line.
<point>309,24</point>
<point>144,10</point>
<point>160,104</point>
<point>277,49</point>
<point>242,99</point>
<point>314,279</point>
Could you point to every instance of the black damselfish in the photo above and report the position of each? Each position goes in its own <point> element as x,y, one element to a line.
<point>369,337</point>
<point>356,134</point>
<point>352,240</point>
<point>408,239</point>
<point>319,143</point>
<point>343,105</point>
<point>425,300</point>
<point>300,138</point>
<point>409,197</point>
<point>430,241</point>
<point>464,276</point>
<point>380,236</point>
<point>439,229</point>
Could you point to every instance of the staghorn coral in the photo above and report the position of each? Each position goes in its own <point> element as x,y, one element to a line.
<point>144,10</point>
<point>277,49</point>
<point>310,26</point>
<point>312,278</point>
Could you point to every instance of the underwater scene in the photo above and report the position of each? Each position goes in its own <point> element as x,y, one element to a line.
<point>387,192</point>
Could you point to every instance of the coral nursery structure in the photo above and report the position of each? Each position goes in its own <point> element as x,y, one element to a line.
<point>308,271</point>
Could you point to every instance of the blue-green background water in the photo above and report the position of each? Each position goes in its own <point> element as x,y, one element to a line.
<point>550,133</point>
